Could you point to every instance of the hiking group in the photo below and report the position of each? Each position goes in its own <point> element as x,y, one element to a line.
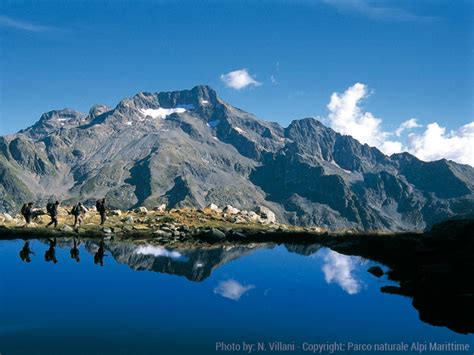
<point>50,253</point>
<point>52,209</point>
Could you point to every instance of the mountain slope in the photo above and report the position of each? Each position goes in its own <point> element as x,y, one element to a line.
<point>190,148</point>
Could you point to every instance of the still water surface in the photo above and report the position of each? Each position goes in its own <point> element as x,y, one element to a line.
<point>127,298</point>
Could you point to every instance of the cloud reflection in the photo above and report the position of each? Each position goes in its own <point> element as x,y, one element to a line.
<point>339,269</point>
<point>232,289</point>
<point>157,251</point>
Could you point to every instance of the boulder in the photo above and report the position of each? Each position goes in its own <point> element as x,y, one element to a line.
<point>115,213</point>
<point>67,229</point>
<point>253,217</point>
<point>43,219</point>
<point>162,233</point>
<point>7,217</point>
<point>215,234</point>
<point>2,219</point>
<point>213,208</point>
<point>140,227</point>
<point>63,211</point>
<point>141,210</point>
<point>266,214</point>
<point>161,208</point>
<point>230,210</point>
<point>107,230</point>
<point>128,220</point>
<point>376,271</point>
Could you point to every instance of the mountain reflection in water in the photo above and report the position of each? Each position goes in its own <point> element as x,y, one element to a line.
<point>198,263</point>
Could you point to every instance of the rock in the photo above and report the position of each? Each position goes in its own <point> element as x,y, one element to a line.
<point>212,207</point>
<point>127,228</point>
<point>7,217</point>
<point>161,208</point>
<point>376,271</point>
<point>43,219</point>
<point>140,227</point>
<point>116,213</point>
<point>266,214</point>
<point>230,210</point>
<point>253,217</point>
<point>63,211</point>
<point>2,219</point>
<point>162,233</point>
<point>106,230</point>
<point>141,210</point>
<point>215,235</point>
<point>66,228</point>
<point>128,220</point>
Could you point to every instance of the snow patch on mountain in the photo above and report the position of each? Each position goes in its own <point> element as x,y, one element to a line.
<point>239,130</point>
<point>164,112</point>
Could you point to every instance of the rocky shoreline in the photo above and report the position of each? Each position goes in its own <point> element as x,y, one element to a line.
<point>186,225</point>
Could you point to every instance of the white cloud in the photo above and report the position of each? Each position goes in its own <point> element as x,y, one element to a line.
<point>376,11</point>
<point>347,117</point>
<point>232,289</point>
<point>407,125</point>
<point>434,143</point>
<point>274,80</point>
<point>339,268</point>
<point>239,79</point>
<point>9,22</point>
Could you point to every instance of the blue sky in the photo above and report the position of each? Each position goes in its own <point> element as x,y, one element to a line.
<point>414,58</point>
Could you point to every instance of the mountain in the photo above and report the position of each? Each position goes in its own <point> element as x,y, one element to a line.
<point>190,148</point>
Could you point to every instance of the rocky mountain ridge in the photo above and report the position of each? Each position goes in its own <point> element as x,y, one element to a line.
<point>190,148</point>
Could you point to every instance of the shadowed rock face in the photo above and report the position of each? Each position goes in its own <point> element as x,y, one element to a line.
<point>438,276</point>
<point>190,148</point>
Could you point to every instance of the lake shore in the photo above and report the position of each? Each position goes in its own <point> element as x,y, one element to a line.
<point>434,268</point>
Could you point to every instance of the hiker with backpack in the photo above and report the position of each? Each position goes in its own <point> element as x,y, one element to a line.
<point>27,212</point>
<point>50,254</point>
<point>78,212</point>
<point>100,205</point>
<point>25,252</point>
<point>52,209</point>
<point>75,250</point>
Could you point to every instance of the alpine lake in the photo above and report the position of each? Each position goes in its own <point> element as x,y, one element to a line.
<point>90,296</point>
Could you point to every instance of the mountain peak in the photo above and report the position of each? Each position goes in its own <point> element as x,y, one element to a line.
<point>189,147</point>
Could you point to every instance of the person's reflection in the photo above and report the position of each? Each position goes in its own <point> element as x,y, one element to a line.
<point>50,254</point>
<point>75,251</point>
<point>25,252</point>
<point>99,255</point>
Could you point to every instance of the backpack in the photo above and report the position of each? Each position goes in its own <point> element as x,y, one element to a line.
<point>74,210</point>
<point>49,207</point>
<point>23,209</point>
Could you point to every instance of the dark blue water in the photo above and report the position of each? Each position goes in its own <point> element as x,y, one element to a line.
<point>150,300</point>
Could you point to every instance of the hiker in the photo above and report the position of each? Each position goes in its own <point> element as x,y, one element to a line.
<point>75,251</point>
<point>99,255</point>
<point>100,205</point>
<point>25,252</point>
<point>50,254</point>
<point>78,212</point>
<point>52,209</point>
<point>27,212</point>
